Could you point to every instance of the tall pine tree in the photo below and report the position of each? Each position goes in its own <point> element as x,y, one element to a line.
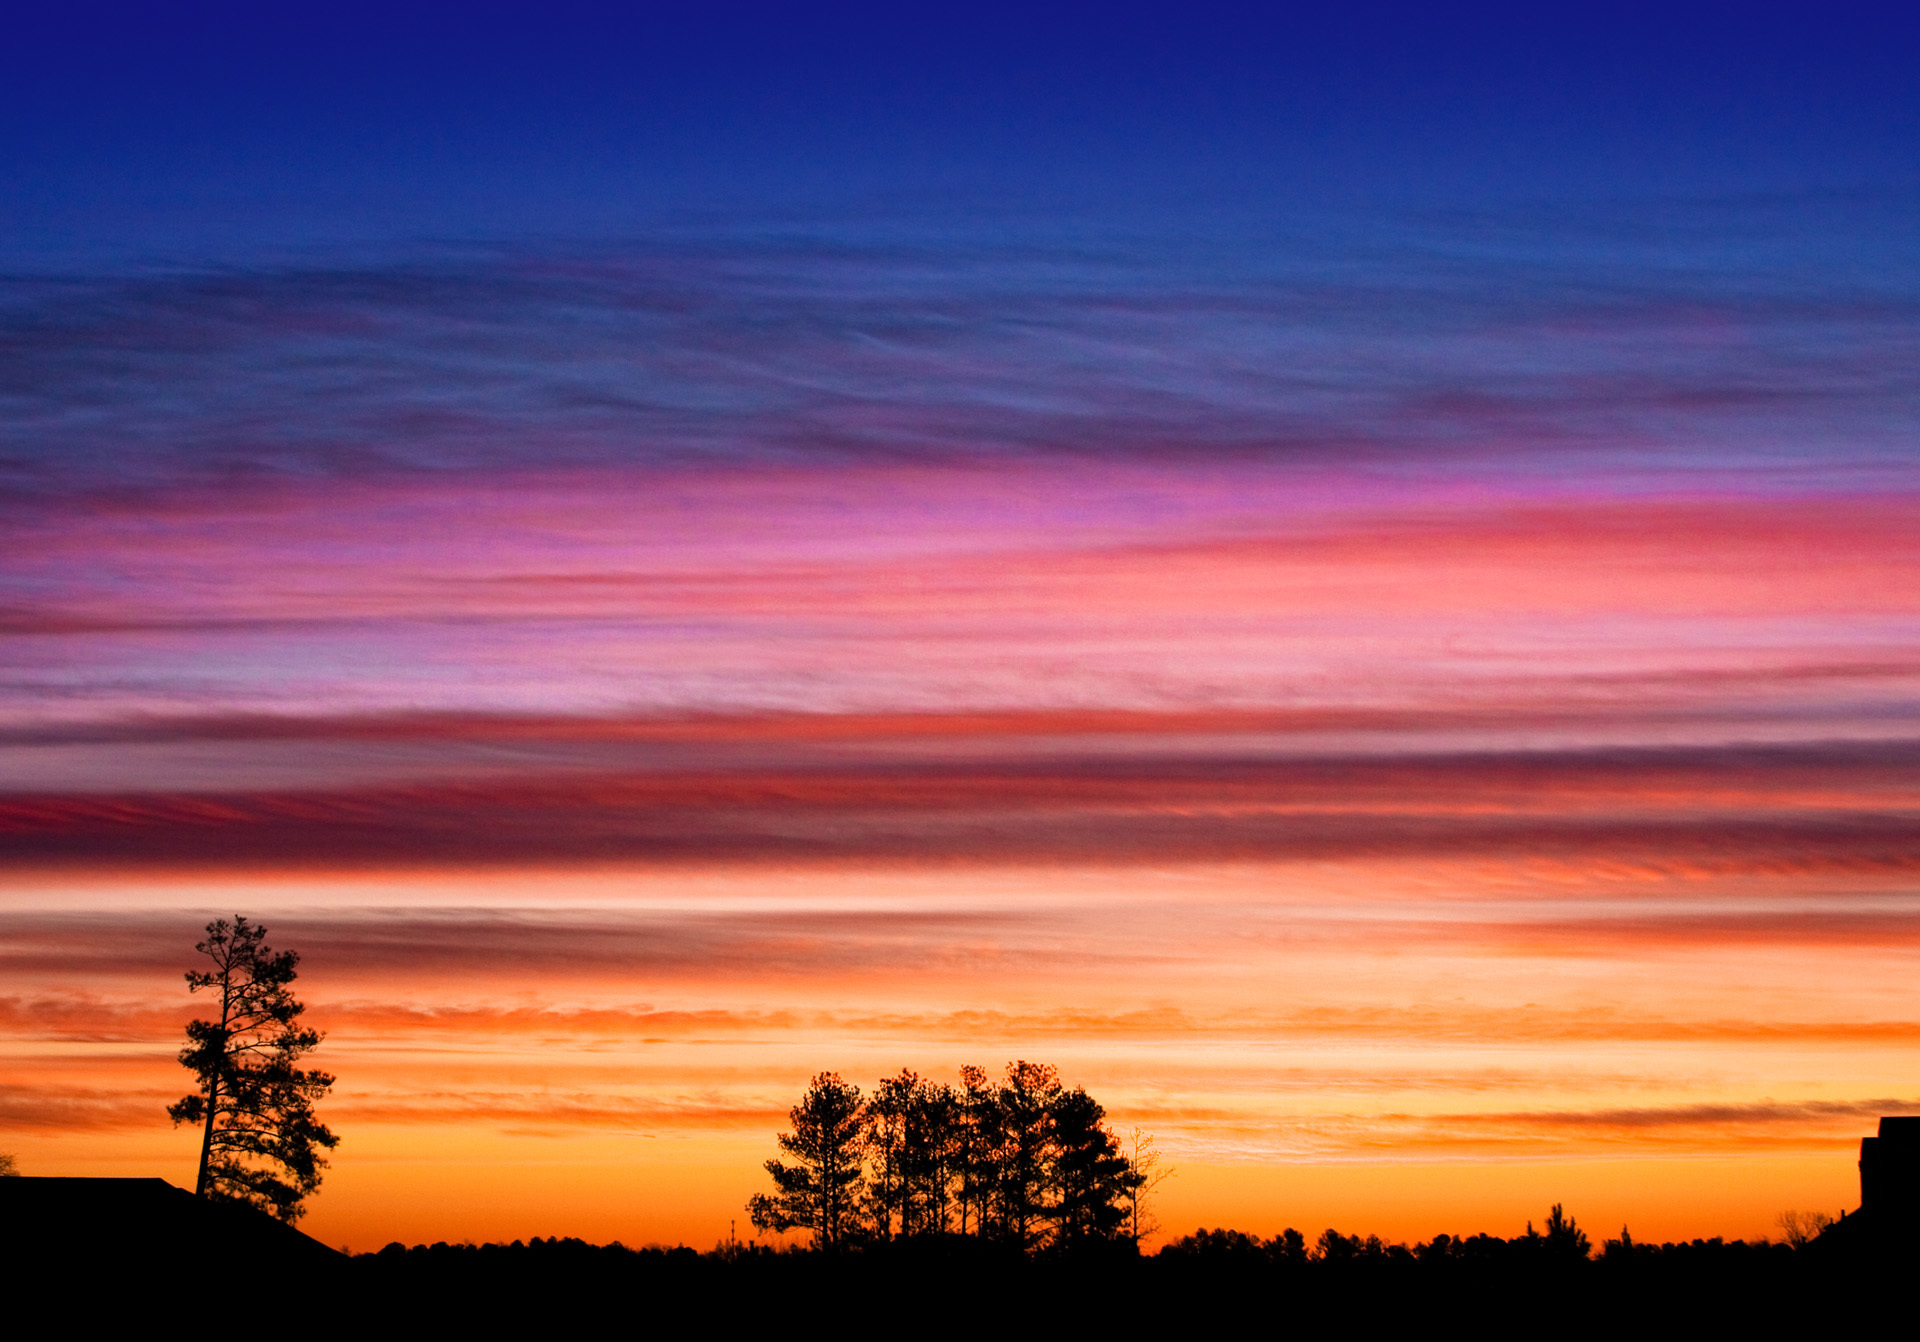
<point>820,1190</point>
<point>260,1142</point>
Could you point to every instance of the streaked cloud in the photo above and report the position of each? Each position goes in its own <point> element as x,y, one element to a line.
<point>1369,694</point>
<point>1002,789</point>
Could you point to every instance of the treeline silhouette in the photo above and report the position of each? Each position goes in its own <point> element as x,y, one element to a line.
<point>1023,1162</point>
<point>1204,1280</point>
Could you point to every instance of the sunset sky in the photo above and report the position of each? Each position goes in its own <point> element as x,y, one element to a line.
<point>1353,583</point>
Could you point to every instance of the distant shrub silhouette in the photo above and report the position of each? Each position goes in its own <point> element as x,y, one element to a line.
<point>1802,1228</point>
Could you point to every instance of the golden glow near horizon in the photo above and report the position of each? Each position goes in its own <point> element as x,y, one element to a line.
<point>1386,1047</point>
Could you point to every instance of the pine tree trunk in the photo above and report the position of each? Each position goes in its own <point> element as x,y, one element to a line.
<point>206,1140</point>
<point>200,1185</point>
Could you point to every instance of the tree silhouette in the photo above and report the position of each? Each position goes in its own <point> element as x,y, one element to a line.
<point>975,1147</point>
<point>820,1192</point>
<point>1143,1155</point>
<point>913,1145</point>
<point>1565,1238</point>
<point>260,1142</point>
<point>1801,1228</point>
<point>931,1159</point>
<point>1091,1175</point>
<point>889,1114</point>
<point>1027,1099</point>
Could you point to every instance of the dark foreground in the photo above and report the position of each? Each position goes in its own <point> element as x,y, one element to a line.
<point>1222,1280</point>
<point>142,1250</point>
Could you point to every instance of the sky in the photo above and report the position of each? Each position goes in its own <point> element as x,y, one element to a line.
<point>1347,579</point>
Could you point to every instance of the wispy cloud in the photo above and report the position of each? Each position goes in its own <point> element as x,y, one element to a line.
<point>764,345</point>
<point>1427,686</point>
<point>1005,789</point>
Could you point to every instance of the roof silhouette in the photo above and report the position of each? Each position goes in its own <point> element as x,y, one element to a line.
<point>117,1227</point>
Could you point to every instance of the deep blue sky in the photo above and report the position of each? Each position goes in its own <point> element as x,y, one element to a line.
<point>209,132</point>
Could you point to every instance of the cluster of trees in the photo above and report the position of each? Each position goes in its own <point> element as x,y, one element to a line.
<point>1022,1161</point>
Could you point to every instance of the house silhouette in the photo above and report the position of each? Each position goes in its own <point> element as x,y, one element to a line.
<point>119,1231</point>
<point>1888,1220</point>
<point>1890,1177</point>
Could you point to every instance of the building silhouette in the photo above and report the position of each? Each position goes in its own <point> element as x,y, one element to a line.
<point>1890,1177</point>
<point>119,1230</point>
